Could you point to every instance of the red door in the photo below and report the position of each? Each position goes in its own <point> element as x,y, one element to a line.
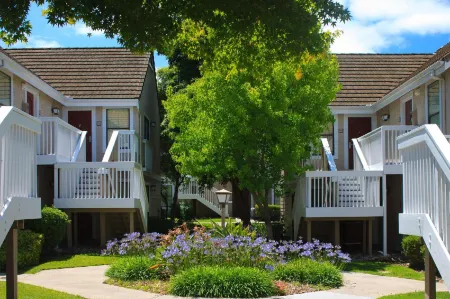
<point>408,113</point>
<point>83,121</point>
<point>30,102</point>
<point>357,127</point>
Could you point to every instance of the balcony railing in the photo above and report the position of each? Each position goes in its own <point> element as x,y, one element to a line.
<point>379,148</point>
<point>60,142</point>
<point>339,194</point>
<point>122,147</point>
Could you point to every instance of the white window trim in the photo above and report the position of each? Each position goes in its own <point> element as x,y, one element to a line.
<point>440,102</point>
<point>402,108</point>
<point>346,116</point>
<point>93,126</point>
<point>104,126</point>
<point>28,88</point>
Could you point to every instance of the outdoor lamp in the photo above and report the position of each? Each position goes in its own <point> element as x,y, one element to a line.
<point>223,196</point>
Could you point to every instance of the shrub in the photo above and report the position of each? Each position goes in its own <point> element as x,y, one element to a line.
<point>221,282</point>
<point>309,272</point>
<point>275,212</point>
<point>29,249</point>
<point>133,268</point>
<point>231,229</point>
<point>53,225</point>
<point>414,249</point>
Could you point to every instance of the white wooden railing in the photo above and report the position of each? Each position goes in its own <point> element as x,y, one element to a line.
<point>109,182</point>
<point>18,133</point>
<point>18,168</point>
<point>359,161</point>
<point>61,140</point>
<point>207,196</point>
<point>426,191</point>
<point>379,147</point>
<point>323,161</point>
<point>122,147</point>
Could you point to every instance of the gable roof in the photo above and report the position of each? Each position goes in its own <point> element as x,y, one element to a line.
<point>366,78</point>
<point>87,73</point>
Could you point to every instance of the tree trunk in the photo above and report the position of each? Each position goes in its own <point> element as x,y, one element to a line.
<point>267,214</point>
<point>241,202</point>
<point>175,202</point>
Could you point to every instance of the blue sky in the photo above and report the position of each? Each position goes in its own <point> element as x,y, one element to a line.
<point>381,26</point>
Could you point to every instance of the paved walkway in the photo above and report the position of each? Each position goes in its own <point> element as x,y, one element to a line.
<point>88,282</point>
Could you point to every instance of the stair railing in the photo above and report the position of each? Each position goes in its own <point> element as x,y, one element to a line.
<point>123,146</point>
<point>425,154</point>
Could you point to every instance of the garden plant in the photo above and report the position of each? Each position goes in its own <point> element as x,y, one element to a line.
<point>155,256</point>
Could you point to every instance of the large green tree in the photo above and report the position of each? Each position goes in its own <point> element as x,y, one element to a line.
<point>213,30</point>
<point>253,127</point>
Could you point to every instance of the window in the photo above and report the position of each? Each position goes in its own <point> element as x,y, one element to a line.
<point>146,128</point>
<point>329,135</point>
<point>117,119</point>
<point>5,90</point>
<point>434,109</point>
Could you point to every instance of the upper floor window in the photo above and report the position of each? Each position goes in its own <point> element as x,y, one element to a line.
<point>117,119</point>
<point>5,90</point>
<point>434,107</point>
<point>146,128</point>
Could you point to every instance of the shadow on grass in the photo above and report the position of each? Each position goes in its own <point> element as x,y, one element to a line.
<point>366,267</point>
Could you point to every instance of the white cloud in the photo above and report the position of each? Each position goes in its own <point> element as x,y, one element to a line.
<point>36,42</point>
<point>376,25</point>
<point>82,29</point>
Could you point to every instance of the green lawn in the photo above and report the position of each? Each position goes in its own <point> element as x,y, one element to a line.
<point>27,291</point>
<point>384,269</point>
<point>416,295</point>
<point>72,261</point>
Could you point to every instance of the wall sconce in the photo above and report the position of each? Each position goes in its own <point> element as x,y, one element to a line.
<point>153,124</point>
<point>153,188</point>
<point>55,111</point>
<point>417,92</point>
<point>385,117</point>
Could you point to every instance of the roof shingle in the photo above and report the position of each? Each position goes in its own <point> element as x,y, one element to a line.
<point>87,73</point>
<point>366,78</point>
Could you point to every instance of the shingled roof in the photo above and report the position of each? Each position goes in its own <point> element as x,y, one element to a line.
<point>87,73</point>
<point>366,78</point>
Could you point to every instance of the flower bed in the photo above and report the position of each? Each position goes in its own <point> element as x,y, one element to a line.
<point>181,250</point>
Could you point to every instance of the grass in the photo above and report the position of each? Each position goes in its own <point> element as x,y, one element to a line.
<point>152,286</point>
<point>27,291</point>
<point>384,269</point>
<point>416,295</point>
<point>207,221</point>
<point>72,261</point>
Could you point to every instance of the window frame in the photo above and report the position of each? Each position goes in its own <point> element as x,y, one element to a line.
<point>11,87</point>
<point>427,102</point>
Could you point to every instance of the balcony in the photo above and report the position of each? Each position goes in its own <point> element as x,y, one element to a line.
<point>378,150</point>
<point>60,142</point>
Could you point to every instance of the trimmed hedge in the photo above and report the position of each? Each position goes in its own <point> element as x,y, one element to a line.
<point>132,268</point>
<point>221,282</point>
<point>53,225</point>
<point>414,250</point>
<point>29,250</point>
<point>309,272</point>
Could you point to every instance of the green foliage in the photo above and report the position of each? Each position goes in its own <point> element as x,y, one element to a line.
<point>221,282</point>
<point>29,249</point>
<point>131,268</point>
<point>53,225</point>
<point>231,229</point>
<point>186,211</point>
<point>210,29</point>
<point>414,250</point>
<point>251,126</point>
<point>309,272</point>
<point>260,229</point>
<point>275,212</point>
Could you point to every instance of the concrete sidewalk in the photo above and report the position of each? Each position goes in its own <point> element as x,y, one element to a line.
<point>87,282</point>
